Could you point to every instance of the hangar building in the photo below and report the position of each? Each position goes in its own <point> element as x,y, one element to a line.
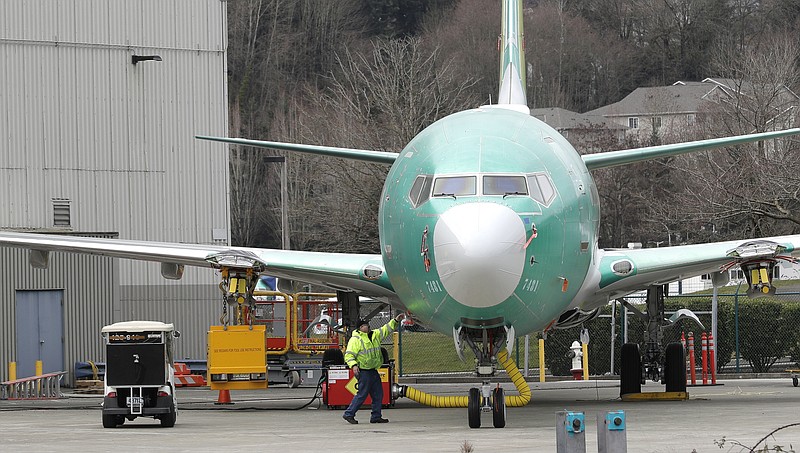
<point>99,104</point>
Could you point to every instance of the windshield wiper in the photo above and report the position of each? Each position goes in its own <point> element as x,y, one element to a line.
<point>445,195</point>
<point>513,193</point>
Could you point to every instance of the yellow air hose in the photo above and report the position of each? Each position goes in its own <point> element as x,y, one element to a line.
<point>522,399</point>
<point>523,388</point>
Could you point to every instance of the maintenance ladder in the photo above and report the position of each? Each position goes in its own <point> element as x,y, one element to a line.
<point>46,386</point>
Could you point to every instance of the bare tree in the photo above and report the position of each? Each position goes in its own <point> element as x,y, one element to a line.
<point>275,45</point>
<point>377,100</point>
<point>751,189</point>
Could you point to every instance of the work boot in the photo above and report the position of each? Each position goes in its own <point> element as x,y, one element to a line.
<point>379,420</point>
<point>352,420</point>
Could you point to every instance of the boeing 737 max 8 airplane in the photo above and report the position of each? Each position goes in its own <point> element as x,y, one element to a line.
<point>488,231</point>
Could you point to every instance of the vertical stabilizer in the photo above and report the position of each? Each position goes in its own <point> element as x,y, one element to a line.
<point>512,58</point>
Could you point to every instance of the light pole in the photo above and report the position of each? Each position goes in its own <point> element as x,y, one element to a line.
<point>284,200</point>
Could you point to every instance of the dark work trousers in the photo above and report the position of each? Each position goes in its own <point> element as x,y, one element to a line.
<point>369,383</point>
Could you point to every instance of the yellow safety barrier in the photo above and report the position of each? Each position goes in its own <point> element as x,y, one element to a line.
<point>522,399</point>
<point>12,371</point>
<point>541,359</point>
<point>276,345</point>
<point>585,361</point>
<point>309,345</point>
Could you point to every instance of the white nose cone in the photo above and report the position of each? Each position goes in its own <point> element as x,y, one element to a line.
<point>479,253</point>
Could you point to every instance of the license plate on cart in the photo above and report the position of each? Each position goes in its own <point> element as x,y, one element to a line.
<point>135,403</point>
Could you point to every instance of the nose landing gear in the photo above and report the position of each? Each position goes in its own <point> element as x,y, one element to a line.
<point>486,400</point>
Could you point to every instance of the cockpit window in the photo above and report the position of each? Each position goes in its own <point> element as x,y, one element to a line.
<point>504,185</point>
<point>421,190</point>
<point>541,188</point>
<point>455,186</point>
<point>538,186</point>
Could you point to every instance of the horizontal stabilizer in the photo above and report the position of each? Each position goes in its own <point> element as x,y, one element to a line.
<point>629,156</point>
<point>346,153</point>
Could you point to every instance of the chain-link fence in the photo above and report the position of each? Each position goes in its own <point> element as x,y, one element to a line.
<point>753,335</point>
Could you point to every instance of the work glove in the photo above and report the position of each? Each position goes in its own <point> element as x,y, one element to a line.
<point>399,317</point>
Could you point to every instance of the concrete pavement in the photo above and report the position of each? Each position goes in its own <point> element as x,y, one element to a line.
<point>742,411</point>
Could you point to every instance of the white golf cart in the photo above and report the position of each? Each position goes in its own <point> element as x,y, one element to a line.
<point>140,375</point>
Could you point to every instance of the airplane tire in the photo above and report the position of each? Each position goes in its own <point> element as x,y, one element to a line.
<point>474,408</point>
<point>498,408</point>
<point>675,368</point>
<point>630,373</point>
<point>794,381</point>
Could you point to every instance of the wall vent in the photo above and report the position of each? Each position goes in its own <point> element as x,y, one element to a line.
<point>62,217</point>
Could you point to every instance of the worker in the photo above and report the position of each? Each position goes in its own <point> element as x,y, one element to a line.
<point>364,357</point>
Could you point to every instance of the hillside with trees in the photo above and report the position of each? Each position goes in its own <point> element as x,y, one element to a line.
<point>371,74</point>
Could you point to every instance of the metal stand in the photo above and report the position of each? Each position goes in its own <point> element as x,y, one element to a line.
<point>570,432</point>
<point>612,436</point>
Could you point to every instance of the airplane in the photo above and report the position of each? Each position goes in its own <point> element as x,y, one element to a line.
<point>488,226</point>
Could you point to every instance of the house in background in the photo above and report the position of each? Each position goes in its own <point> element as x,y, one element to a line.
<point>587,133</point>
<point>670,112</point>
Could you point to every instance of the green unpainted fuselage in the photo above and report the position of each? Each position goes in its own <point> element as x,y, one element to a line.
<point>462,260</point>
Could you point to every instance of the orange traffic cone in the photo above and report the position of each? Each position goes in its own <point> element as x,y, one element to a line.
<point>224,397</point>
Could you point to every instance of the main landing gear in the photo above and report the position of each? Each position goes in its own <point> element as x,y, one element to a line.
<point>669,368</point>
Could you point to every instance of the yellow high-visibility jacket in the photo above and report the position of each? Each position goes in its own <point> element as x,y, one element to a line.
<point>364,349</point>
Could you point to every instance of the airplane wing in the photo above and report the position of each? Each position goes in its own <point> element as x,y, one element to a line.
<point>380,157</point>
<point>361,273</point>
<point>628,156</point>
<point>622,271</point>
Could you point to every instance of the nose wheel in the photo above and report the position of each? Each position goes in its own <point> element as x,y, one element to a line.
<point>474,408</point>
<point>498,408</point>
<point>486,400</point>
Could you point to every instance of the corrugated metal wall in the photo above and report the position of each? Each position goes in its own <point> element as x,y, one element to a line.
<point>192,308</point>
<point>89,297</point>
<point>115,139</point>
<point>80,122</point>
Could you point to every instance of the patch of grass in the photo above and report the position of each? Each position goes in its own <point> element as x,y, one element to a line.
<point>432,352</point>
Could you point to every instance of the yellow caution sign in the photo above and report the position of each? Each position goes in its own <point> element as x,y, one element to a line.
<point>352,386</point>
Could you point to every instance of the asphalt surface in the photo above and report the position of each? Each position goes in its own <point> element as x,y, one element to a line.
<point>741,412</point>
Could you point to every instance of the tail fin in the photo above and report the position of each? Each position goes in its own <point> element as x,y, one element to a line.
<point>512,59</point>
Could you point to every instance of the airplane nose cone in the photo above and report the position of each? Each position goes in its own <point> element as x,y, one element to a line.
<point>479,252</point>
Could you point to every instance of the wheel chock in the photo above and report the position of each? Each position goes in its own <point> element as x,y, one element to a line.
<point>656,396</point>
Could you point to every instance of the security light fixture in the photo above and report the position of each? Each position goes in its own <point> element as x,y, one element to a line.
<point>137,58</point>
